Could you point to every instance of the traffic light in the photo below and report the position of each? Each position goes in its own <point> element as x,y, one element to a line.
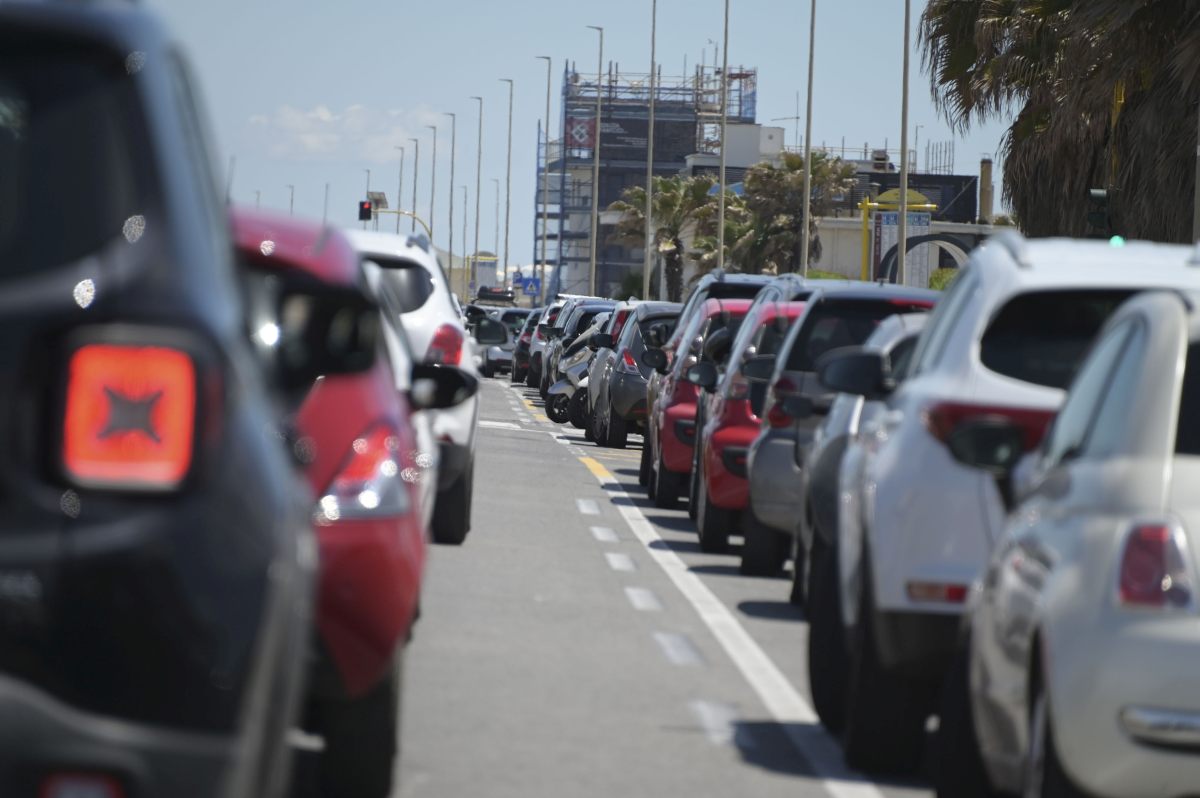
<point>1099,213</point>
<point>365,211</point>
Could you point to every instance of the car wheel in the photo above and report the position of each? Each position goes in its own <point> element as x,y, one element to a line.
<point>558,408</point>
<point>828,661</point>
<point>577,410</point>
<point>764,550</point>
<point>361,740</point>
<point>960,772</point>
<point>1044,775</point>
<point>667,485</point>
<point>885,713</point>
<point>487,370</point>
<point>599,434</point>
<point>615,428</point>
<point>712,522</point>
<point>452,510</point>
<point>644,465</point>
<point>797,594</point>
<point>693,508</point>
<point>516,376</point>
<point>532,377</point>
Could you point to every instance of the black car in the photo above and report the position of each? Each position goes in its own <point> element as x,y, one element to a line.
<point>520,364</point>
<point>155,548</point>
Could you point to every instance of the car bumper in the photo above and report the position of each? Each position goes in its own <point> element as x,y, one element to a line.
<point>628,394</point>
<point>500,358</point>
<point>918,645</point>
<point>725,457</point>
<point>678,437</point>
<point>774,480</point>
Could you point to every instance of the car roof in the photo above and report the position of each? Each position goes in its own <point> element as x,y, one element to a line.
<point>276,241</point>
<point>845,289</point>
<point>647,309</point>
<point>414,248</point>
<point>712,307</point>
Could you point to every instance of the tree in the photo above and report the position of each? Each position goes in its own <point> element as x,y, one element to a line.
<point>1101,93</point>
<point>679,203</point>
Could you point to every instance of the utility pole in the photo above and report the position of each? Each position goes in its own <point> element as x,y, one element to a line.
<point>400,188</point>
<point>325,213</point>
<point>545,187</point>
<point>478,186</point>
<point>368,196</point>
<point>416,174</point>
<point>648,254</point>
<point>432,183</point>
<point>596,166</point>
<point>724,120</point>
<point>902,237</point>
<point>464,238</point>
<point>291,200</point>
<point>453,146</point>
<point>496,244</point>
<point>806,233</point>
<point>508,173</point>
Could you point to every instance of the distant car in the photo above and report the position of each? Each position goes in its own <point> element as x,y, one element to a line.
<point>412,288</point>
<point>520,358</point>
<point>1075,670</point>
<point>568,327</point>
<point>499,357</point>
<point>617,379</point>
<point>539,341</point>
<point>156,547</point>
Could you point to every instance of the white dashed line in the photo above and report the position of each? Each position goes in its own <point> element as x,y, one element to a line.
<point>718,720</point>
<point>489,424</point>
<point>604,534</point>
<point>678,649</point>
<point>620,562</point>
<point>587,506</point>
<point>643,599</point>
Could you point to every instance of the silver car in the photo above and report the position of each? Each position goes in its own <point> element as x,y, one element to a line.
<point>1077,674</point>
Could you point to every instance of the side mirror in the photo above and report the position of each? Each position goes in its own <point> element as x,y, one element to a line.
<point>490,332</point>
<point>799,407</point>
<point>855,370</point>
<point>655,359</point>
<point>718,344</point>
<point>696,347</point>
<point>703,375</point>
<point>994,445</point>
<point>544,329</point>
<point>656,336</point>
<point>315,330</point>
<point>439,387</point>
<point>602,341</point>
<point>759,368</point>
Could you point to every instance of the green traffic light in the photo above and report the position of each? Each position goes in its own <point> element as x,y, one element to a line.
<point>1116,241</point>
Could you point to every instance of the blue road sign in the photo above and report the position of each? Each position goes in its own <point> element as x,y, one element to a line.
<point>532,286</point>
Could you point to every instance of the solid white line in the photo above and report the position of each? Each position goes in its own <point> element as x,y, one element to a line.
<point>489,424</point>
<point>717,720</point>
<point>643,599</point>
<point>587,506</point>
<point>604,534</point>
<point>783,701</point>
<point>678,649</point>
<point>620,562</point>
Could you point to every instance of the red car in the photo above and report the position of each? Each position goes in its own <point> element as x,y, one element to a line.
<point>728,418</point>
<point>354,436</point>
<point>671,423</point>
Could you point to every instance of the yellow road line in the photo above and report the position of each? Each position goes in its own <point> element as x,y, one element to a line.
<point>529,404</point>
<point>598,471</point>
<point>540,417</point>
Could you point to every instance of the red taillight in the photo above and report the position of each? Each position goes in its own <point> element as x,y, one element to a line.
<point>130,417</point>
<point>446,346</point>
<point>526,338</point>
<point>942,418</point>
<point>619,324</point>
<point>628,365</point>
<point>1154,571</point>
<point>941,592</point>
<point>371,483</point>
<point>81,785</point>
<point>777,417</point>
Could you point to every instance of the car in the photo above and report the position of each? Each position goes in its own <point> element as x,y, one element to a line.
<point>539,340</point>
<point>836,315</point>
<point>1005,341</point>
<point>617,379</point>
<point>835,450</point>
<point>1072,674</point>
<point>411,286</point>
<point>156,546</point>
<point>570,323</point>
<point>520,357</point>
<point>671,422</point>
<point>361,457</point>
<point>499,357</point>
<point>727,421</point>
<point>567,397</point>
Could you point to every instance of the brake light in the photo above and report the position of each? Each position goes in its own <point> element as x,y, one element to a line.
<point>628,365</point>
<point>942,418</point>
<point>130,417</point>
<point>446,346</point>
<point>619,324</point>
<point>777,417</point>
<point>1154,571</point>
<point>371,483</point>
<point>526,338</point>
<point>941,592</point>
<point>81,785</point>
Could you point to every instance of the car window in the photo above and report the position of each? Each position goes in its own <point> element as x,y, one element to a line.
<point>902,357</point>
<point>943,320</point>
<point>832,324</point>
<point>409,285</point>
<point>1110,423</point>
<point>1070,428</point>
<point>1042,336</point>
<point>73,168</point>
<point>1187,433</point>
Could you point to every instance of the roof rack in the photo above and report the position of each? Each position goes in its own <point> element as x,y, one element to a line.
<point>419,240</point>
<point>1016,245</point>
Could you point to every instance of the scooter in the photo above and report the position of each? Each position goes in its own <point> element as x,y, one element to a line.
<point>566,400</point>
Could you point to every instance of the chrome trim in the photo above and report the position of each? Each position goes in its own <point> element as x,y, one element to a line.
<point>1162,727</point>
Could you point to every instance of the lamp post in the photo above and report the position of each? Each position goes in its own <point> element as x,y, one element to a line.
<point>478,185</point>
<point>647,255</point>
<point>902,232</point>
<point>399,187</point>
<point>432,182</point>
<point>450,224</point>
<point>596,166</point>
<point>496,244</point>
<point>806,233</point>
<point>368,195</point>
<point>416,174</point>
<point>917,146</point>
<point>724,119</point>
<point>257,198</point>
<point>291,200</point>
<point>325,213</point>
<point>464,238</point>
<point>545,185</point>
<point>508,173</point>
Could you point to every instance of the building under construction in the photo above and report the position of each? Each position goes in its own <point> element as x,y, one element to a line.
<point>687,121</point>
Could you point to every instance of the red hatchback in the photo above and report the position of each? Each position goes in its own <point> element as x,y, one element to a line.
<point>671,422</point>
<point>353,435</point>
<point>728,418</point>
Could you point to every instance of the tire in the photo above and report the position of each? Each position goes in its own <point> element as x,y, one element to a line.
<point>361,741</point>
<point>885,714</point>
<point>667,486</point>
<point>828,660</point>
<point>487,370</point>
<point>452,510</point>
<point>797,595</point>
<point>644,465</point>
<point>960,772</point>
<point>764,550</point>
<point>1044,774</point>
<point>557,408</point>
<point>577,409</point>
<point>532,377</point>
<point>713,523</point>
<point>693,506</point>
<point>599,433</point>
<point>615,428</point>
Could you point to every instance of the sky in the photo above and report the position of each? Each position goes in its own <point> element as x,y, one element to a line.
<point>304,93</point>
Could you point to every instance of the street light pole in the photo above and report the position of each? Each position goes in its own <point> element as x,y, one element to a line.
<point>325,213</point>
<point>545,185</point>
<point>464,238</point>
<point>917,147</point>
<point>368,195</point>
<point>450,224</point>
<point>647,255</point>
<point>496,243</point>
<point>432,183</point>
<point>724,119</point>
<point>416,174</point>
<point>291,200</point>
<point>596,166</point>
<point>400,187</point>
<point>805,235</point>
<point>902,232</point>
<point>508,173</point>
<point>478,186</point>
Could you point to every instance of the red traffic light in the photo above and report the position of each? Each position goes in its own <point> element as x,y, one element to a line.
<point>365,211</point>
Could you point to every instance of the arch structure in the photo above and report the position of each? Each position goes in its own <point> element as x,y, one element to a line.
<point>957,246</point>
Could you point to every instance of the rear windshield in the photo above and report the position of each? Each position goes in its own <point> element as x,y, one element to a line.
<point>73,168</point>
<point>583,321</point>
<point>836,323</point>
<point>408,284</point>
<point>513,321</point>
<point>1042,337</point>
<point>738,290</point>
<point>1187,436</point>
<point>668,323</point>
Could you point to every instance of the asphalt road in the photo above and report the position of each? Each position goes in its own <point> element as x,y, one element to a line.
<point>580,644</point>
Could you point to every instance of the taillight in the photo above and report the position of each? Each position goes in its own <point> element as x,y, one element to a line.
<point>777,417</point>
<point>940,592</point>
<point>942,418</point>
<point>446,346</point>
<point>619,324</point>
<point>130,417</point>
<point>526,338</point>
<point>1154,570</point>
<point>371,483</point>
<point>81,785</point>
<point>627,364</point>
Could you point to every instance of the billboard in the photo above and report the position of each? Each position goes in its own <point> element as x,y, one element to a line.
<point>624,137</point>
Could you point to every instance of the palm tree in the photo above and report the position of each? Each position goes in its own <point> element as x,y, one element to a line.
<point>680,203</point>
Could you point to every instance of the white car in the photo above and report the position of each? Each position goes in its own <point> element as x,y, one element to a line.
<point>1077,674</point>
<point>411,287</point>
<point>1004,341</point>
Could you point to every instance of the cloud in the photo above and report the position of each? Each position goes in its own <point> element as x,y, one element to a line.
<point>356,132</point>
